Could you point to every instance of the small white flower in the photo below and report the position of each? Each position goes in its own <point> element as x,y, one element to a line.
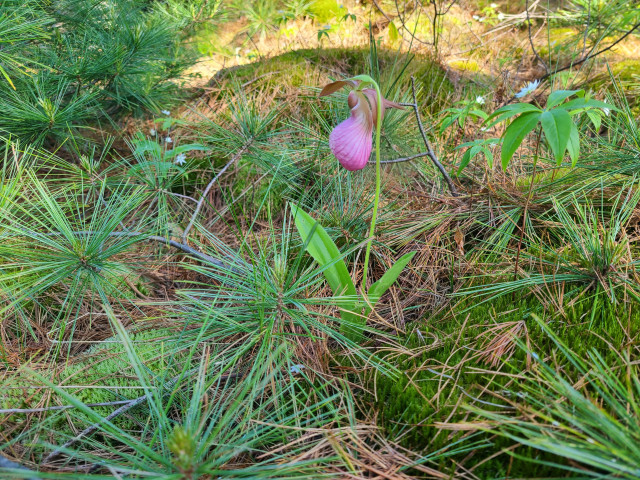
<point>494,5</point>
<point>153,132</point>
<point>606,111</point>
<point>530,87</point>
<point>296,368</point>
<point>480,100</point>
<point>500,16</point>
<point>181,159</point>
<point>166,112</point>
<point>476,17</point>
<point>168,140</point>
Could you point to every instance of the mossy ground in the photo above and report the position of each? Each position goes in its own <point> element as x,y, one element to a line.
<point>426,408</point>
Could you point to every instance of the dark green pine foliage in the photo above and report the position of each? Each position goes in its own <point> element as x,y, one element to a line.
<point>66,64</point>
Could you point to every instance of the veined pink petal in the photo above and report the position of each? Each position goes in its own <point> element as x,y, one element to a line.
<point>373,101</point>
<point>351,140</point>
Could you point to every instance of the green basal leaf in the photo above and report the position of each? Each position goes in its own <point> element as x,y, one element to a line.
<point>390,276</point>
<point>324,251</point>
<point>515,134</point>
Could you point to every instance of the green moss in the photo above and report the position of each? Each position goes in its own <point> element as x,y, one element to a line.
<point>301,69</point>
<point>103,374</point>
<point>556,42</point>
<point>465,65</point>
<point>412,407</point>
<point>325,10</point>
<point>627,70</point>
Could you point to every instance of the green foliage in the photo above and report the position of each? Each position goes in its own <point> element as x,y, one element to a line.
<point>474,148</point>
<point>461,112</point>
<point>556,122</point>
<point>98,59</point>
<point>324,251</point>
<point>52,247</point>
<point>595,426</point>
<point>326,10</point>
<point>588,251</point>
<point>450,380</point>
<point>246,322</point>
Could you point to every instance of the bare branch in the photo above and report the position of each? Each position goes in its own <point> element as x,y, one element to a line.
<point>59,407</point>
<point>592,55</point>
<point>403,159</point>
<point>233,160</point>
<point>430,152</point>
<point>533,48</point>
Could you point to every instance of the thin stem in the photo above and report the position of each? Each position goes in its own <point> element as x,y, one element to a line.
<point>376,200</point>
<point>203,197</point>
<point>430,151</point>
<point>526,205</point>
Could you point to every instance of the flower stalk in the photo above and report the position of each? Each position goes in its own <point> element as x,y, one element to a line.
<point>366,79</point>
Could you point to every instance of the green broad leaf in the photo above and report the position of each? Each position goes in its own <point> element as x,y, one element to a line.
<point>582,104</point>
<point>509,111</point>
<point>390,276</point>
<point>468,156</point>
<point>489,156</point>
<point>447,122</point>
<point>147,146</point>
<point>467,144</point>
<point>324,251</point>
<point>515,134</point>
<point>394,35</point>
<point>573,145</point>
<point>184,149</point>
<point>352,322</point>
<point>479,114</point>
<point>556,125</point>
<point>557,97</point>
<point>595,118</point>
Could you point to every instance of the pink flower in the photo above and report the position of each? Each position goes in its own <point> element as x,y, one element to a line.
<point>351,141</point>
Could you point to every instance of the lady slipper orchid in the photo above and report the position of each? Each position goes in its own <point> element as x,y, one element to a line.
<point>351,141</point>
